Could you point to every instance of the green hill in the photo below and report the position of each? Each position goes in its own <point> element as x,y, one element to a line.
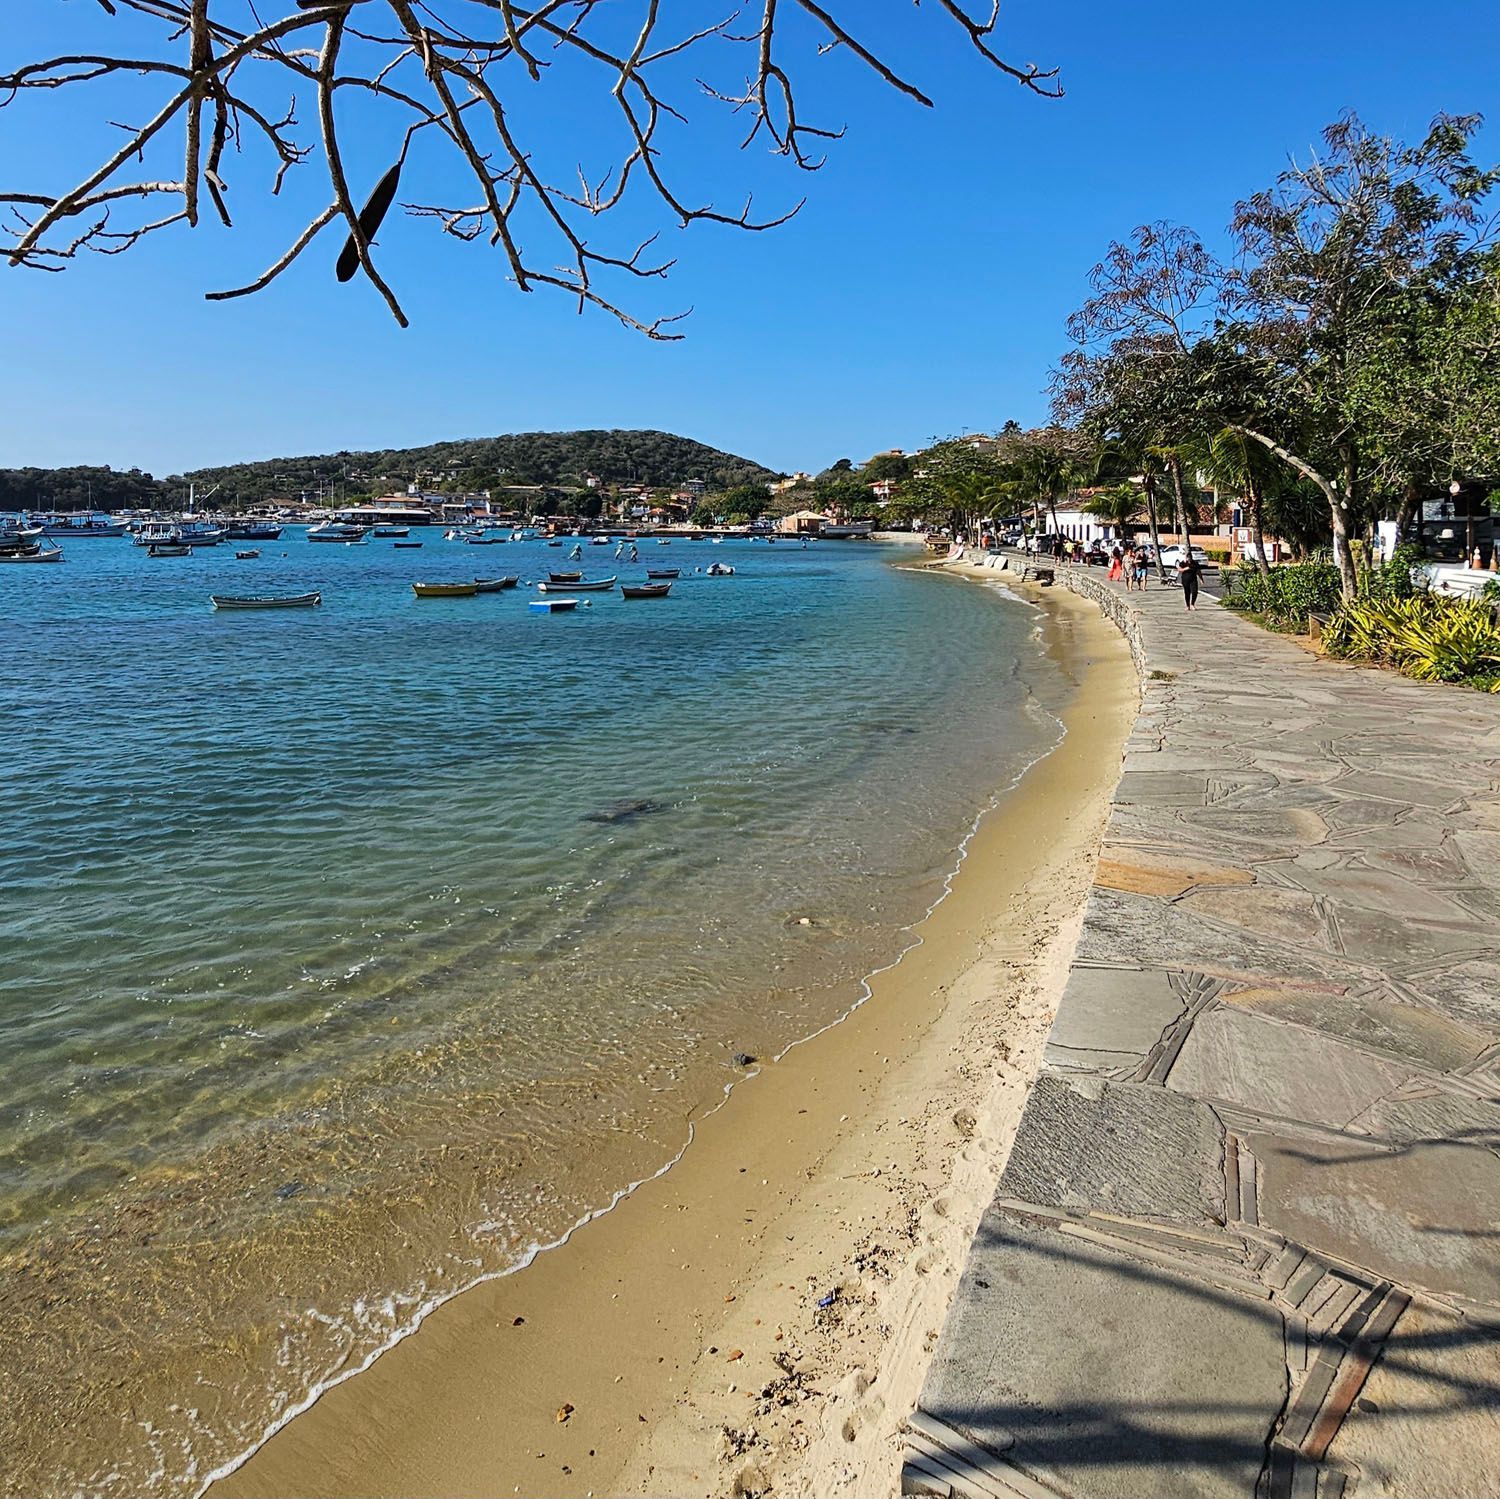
<point>657,459</point>
<point>561,458</point>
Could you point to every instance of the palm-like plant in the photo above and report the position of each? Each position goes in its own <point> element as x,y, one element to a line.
<point>1116,507</point>
<point>971,496</point>
<point>1232,461</point>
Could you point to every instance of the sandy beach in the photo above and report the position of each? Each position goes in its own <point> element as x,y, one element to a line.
<point>758,1318</point>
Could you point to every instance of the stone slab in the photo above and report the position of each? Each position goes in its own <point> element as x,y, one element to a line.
<point>1108,1376</point>
<point>1127,1148</point>
<point>1238,1057</point>
<point>1425,1216</point>
<point>1119,1010</point>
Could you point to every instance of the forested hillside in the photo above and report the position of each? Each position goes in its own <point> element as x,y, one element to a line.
<point>657,459</point>
<point>616,457</point>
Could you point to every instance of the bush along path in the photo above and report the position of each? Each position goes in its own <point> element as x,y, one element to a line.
<point>1244,1243</point>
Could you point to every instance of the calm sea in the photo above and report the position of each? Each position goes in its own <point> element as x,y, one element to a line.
<point>354,954</point>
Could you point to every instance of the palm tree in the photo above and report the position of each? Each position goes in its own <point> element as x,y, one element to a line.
<point>971,495</point>
<point>1234,462</point>
<point>1116,507</point>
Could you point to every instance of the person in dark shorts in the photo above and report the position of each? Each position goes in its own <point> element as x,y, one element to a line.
<point>1189,574</point>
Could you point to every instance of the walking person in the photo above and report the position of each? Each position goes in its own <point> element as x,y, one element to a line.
<point>1189,574</point>
<point>1140,563</point>
<point>1116,564</point>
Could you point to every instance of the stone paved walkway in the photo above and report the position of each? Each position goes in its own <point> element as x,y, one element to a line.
<point>1248,1240</point>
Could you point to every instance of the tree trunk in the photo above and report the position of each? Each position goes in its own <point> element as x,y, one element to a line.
<point>1347,578</point>
<point>1174,467</point>
<point>1257,528</point>
<point>1150,486</point>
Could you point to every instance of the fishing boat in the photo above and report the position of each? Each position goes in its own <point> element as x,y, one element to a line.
<point>79,524</point>
<point>390,530</point>
<point>168,549</point>
<point>552,606</point>
<point>31,551</point>
<point>663,572</point>
<point>13,533</point>
<point>252,530</point>
<point>645,590</point>
<point>720,570</point>
<point>407,545</point>
<point>564,577</point>
<point>485,540</point>
<point>494,585</point>
<point>598,585</point>
<point>336,530</point>
<point>248,555</point>
<point>445,590</point>
<point>265,601</point>
<point>199,533</point>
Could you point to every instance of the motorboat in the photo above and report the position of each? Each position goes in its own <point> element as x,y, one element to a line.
<point>408,545</point>
<point>13,533</point>
<point>266,601</point>
<point>495,585</point>
<point>168,549</point>
<point>552,606</point>
<point>663,572</point>
<point>386,529</point>
<point>199,533</point>
<point>719,570</point>
<point>336,530</point>
<point>153,533</point>
<point>247,556</point>
<point>599,541</point>
<point>598,585</point>
<point>252,530</point>
<point>484,539</point>
<point>445,590</point>
<point>645,590</point>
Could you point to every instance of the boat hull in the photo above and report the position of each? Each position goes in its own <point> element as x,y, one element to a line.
<point>603,585</point>
<point>552,606</point>
<point>445,590</point>
<point>287,601</point>
<point>646,590</point>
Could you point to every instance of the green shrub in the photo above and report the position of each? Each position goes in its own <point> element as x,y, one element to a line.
<point>1289,595</point>
<point>1431,639</point>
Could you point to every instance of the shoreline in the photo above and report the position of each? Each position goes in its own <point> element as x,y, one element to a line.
<point>678,1345</point>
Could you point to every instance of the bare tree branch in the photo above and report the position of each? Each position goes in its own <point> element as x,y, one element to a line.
<point>225,83</point>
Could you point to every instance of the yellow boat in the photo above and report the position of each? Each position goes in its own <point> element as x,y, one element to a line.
<point>444,590</point>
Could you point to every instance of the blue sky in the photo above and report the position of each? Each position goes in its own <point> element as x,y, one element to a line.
<point>922,291</point>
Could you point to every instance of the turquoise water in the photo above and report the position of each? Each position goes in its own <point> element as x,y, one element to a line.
<point>351,954</point>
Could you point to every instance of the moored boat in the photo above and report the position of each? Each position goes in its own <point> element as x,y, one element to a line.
<point>445,590</point>
<point>663,572</point>
<point>336,530</point>
<point>247,555</point>
<point>495,585</point>
<point>597,585</point>
<point>551,606</point>
<point>79,524</point>
<point>408,545</point>
<point>564,577</point>
<point>645,590</point>
<point>31,551</point>
<point>719,570</point>
<point>252,530</point>
<point>386,529</point>
<point>265,601</point>
<point>168,549</point>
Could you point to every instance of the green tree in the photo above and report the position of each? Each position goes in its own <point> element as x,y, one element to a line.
<point>1331,256</point>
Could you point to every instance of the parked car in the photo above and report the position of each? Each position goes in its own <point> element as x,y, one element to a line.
<point>1097,555</point>
<point>1172,555</point>
<point>1041,544</point>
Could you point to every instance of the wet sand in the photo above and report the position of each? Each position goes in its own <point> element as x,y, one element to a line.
<point>677,1345</point>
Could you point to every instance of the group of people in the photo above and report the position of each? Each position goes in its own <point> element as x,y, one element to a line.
<point>1133,564</point>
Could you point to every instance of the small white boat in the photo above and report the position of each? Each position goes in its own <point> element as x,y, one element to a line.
<point>336,530</point>
<point>552,606</point>
<point>719,570</point>
<point>578,585</point>
<point>32,552</point>
<point>169,549</point>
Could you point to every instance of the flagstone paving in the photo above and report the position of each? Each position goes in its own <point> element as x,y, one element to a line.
<point>1248,1238</point>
